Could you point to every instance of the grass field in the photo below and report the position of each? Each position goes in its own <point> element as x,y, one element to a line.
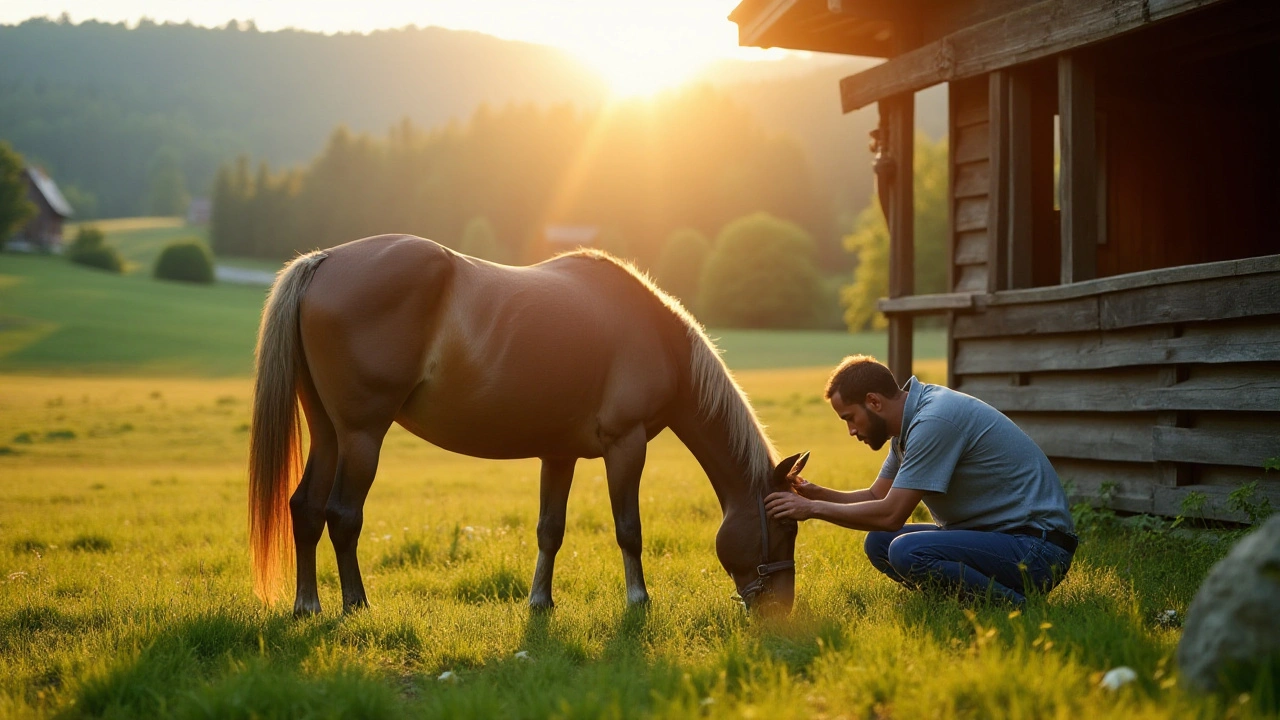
<point>125,588</point>
<point>125,583</point>
<point>56,317</point>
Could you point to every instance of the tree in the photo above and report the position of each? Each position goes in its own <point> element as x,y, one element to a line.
<point>167,187</point>
<point>479,240</point>
<point>679,267</point>
<point>869,241</point>
<point>760,274</point>
<point>15,209</point>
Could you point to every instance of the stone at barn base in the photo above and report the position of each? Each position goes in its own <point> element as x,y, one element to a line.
<point>1233,624</point>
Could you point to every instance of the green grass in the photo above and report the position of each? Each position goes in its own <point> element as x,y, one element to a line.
<point>125,585</point>
<point>763,349</point>
<point>65,318</point>
<point>125,589</point>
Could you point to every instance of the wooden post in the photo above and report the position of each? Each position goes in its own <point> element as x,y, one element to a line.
<point>898,116</point>
<point>1019,245</point>
<point>998,180</point>
<point>1078,175</point>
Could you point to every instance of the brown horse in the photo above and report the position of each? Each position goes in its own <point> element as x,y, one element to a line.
<point>577,357</point>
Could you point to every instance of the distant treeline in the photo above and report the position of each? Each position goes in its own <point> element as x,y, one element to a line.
<point>116,113</point>
<point>637,172</point>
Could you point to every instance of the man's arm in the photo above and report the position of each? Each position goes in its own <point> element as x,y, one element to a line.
<point>888,513</point>
<point>877,491</point>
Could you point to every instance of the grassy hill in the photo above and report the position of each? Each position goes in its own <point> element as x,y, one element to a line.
<point>56,317</point>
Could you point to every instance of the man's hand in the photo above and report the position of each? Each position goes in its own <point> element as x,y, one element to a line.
<point>788,506</point>
<point>805,488</point>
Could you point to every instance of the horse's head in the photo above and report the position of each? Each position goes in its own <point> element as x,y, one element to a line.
<point>759,552</point>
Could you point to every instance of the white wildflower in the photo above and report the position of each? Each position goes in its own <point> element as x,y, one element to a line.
<point>1117,677</point>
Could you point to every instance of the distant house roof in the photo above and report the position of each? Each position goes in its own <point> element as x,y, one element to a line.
<point>571,234</point>
<point>49,190</point>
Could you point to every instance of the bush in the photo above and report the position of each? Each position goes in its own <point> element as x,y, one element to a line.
<point>185,261</point>
<point>761,275</point>
<point>680,265</point>
<point>90,249</point>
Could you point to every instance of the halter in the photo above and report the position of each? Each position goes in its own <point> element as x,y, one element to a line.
<point>765,569</point>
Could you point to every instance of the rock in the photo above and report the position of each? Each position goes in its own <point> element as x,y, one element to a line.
<point>1231,626</point>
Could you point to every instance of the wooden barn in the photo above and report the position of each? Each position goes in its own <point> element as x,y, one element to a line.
<point>1114,223</point>
<point>43,232</point>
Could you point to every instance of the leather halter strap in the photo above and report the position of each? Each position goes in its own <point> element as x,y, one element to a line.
<point>753,589</point>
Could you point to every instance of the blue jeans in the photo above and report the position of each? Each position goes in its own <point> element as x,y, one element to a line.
<point>975,562</point>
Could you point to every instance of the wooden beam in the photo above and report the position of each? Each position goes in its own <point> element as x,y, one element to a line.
<point>1215,447</point>
<point>1218,299</point>
<point>899,119</point>
<point>1080,315</point>
<point>1208,344</point>
<point>1078,177</point>
<point>1018,241</point>
<point>1088,437</point>
<point>1086,396</point>
<point>1238,269</point>
<point>927,304</point>
<point>998,180</point>
<point>1036,31</point>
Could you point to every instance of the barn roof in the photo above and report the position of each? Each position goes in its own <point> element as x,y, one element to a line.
<point>49,190</point>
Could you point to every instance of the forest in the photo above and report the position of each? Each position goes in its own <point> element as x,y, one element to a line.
<point>121,115</point>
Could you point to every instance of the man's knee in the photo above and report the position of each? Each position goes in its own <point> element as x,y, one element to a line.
<point>877,548</point>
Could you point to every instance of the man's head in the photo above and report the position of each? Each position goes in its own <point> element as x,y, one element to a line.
<point>865,395</point>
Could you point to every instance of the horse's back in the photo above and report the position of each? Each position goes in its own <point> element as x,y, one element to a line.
<point>487,359</point>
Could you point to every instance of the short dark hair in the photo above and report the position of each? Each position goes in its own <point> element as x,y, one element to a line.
<point>858,375</point>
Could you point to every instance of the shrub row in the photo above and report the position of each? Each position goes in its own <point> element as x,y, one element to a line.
<point>183,260</point>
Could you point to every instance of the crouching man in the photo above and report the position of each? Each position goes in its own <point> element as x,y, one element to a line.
<point>1003,522</point>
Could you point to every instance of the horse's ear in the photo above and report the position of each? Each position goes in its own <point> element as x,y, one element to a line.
<point>804,458</point>
<point>790,465</point>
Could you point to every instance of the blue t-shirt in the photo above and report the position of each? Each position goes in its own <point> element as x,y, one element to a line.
<point>979,471</point>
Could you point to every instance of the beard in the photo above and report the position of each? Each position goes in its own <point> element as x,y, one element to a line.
<point>879,433</point>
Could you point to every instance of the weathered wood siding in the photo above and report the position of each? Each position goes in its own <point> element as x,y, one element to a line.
<point>1145,387</point>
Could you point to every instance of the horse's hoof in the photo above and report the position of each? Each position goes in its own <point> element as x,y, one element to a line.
<point>540,605</point>
<point>354,606</point>
<point>301,612</point>
<point>638,600</point>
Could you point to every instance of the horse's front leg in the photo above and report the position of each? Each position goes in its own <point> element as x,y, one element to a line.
<point>623,462</point>
<point>557,476</point>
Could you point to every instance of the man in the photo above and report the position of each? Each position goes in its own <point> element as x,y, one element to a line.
<point>1003,525</point>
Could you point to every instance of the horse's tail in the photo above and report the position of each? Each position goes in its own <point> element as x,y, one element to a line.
<point>274,437</point>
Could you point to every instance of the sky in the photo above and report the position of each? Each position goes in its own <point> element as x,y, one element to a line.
<point>639,47</point>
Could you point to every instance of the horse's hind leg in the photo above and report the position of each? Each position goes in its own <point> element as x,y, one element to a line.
<point>557,476</point>
<point>624,462</point>
<point>308,501</point>
<point>357,464</point>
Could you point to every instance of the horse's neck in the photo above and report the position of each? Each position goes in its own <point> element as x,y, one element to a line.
<point>711,444</point>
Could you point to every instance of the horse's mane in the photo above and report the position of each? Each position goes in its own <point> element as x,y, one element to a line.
<point>718,395</point>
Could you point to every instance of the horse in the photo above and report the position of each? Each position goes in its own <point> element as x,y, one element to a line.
<point>580,356</point>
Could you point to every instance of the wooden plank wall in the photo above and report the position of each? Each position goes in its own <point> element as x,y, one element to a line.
<point>1148,393</point>
<point>970,183</point>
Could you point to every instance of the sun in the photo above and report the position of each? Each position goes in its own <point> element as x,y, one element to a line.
<point>643,69</point>
<point>644,75</point>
